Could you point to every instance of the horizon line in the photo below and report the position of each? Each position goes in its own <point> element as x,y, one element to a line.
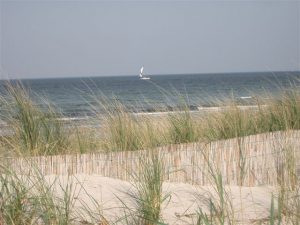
<point>133,75</point>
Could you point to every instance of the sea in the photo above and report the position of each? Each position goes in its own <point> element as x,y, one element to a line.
<point>82,97</point>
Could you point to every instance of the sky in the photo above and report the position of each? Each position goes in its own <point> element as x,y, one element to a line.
<point>43,38</point>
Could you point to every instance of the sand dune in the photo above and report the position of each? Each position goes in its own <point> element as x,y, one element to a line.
<point>249,204</point>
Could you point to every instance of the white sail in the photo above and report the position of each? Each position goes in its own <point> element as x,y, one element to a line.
<point>141,72</point>
<point>141,75</point>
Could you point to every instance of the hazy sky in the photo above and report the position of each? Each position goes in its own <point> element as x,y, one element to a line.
<point>94,38</point>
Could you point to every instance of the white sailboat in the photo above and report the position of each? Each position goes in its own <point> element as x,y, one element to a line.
<point>142,75</point>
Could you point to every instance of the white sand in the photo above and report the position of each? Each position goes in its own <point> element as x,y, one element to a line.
<point>249,204</point>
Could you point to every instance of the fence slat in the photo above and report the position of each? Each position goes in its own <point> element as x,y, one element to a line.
<point>252,160</point>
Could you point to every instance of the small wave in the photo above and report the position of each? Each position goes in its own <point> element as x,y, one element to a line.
<point>245,97</point>
<point>73,118</point>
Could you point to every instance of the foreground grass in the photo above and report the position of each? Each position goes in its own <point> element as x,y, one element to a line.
<point>29,199</point>
<point>147,194</point>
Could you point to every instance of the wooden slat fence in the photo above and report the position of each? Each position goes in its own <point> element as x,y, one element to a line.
<point>250,161</point>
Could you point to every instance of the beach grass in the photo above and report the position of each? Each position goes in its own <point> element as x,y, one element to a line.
<point>182,128</point>
<point>28,199</point>
<point>35,131</point>
<point>147,195</point>
<point>39,131</point>
<point>269,114</point>
<point>121,132</point>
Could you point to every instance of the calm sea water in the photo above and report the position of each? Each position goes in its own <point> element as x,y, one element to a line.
<point>76,96</point>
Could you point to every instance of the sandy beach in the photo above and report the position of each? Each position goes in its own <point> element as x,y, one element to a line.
<point>249,204</point>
